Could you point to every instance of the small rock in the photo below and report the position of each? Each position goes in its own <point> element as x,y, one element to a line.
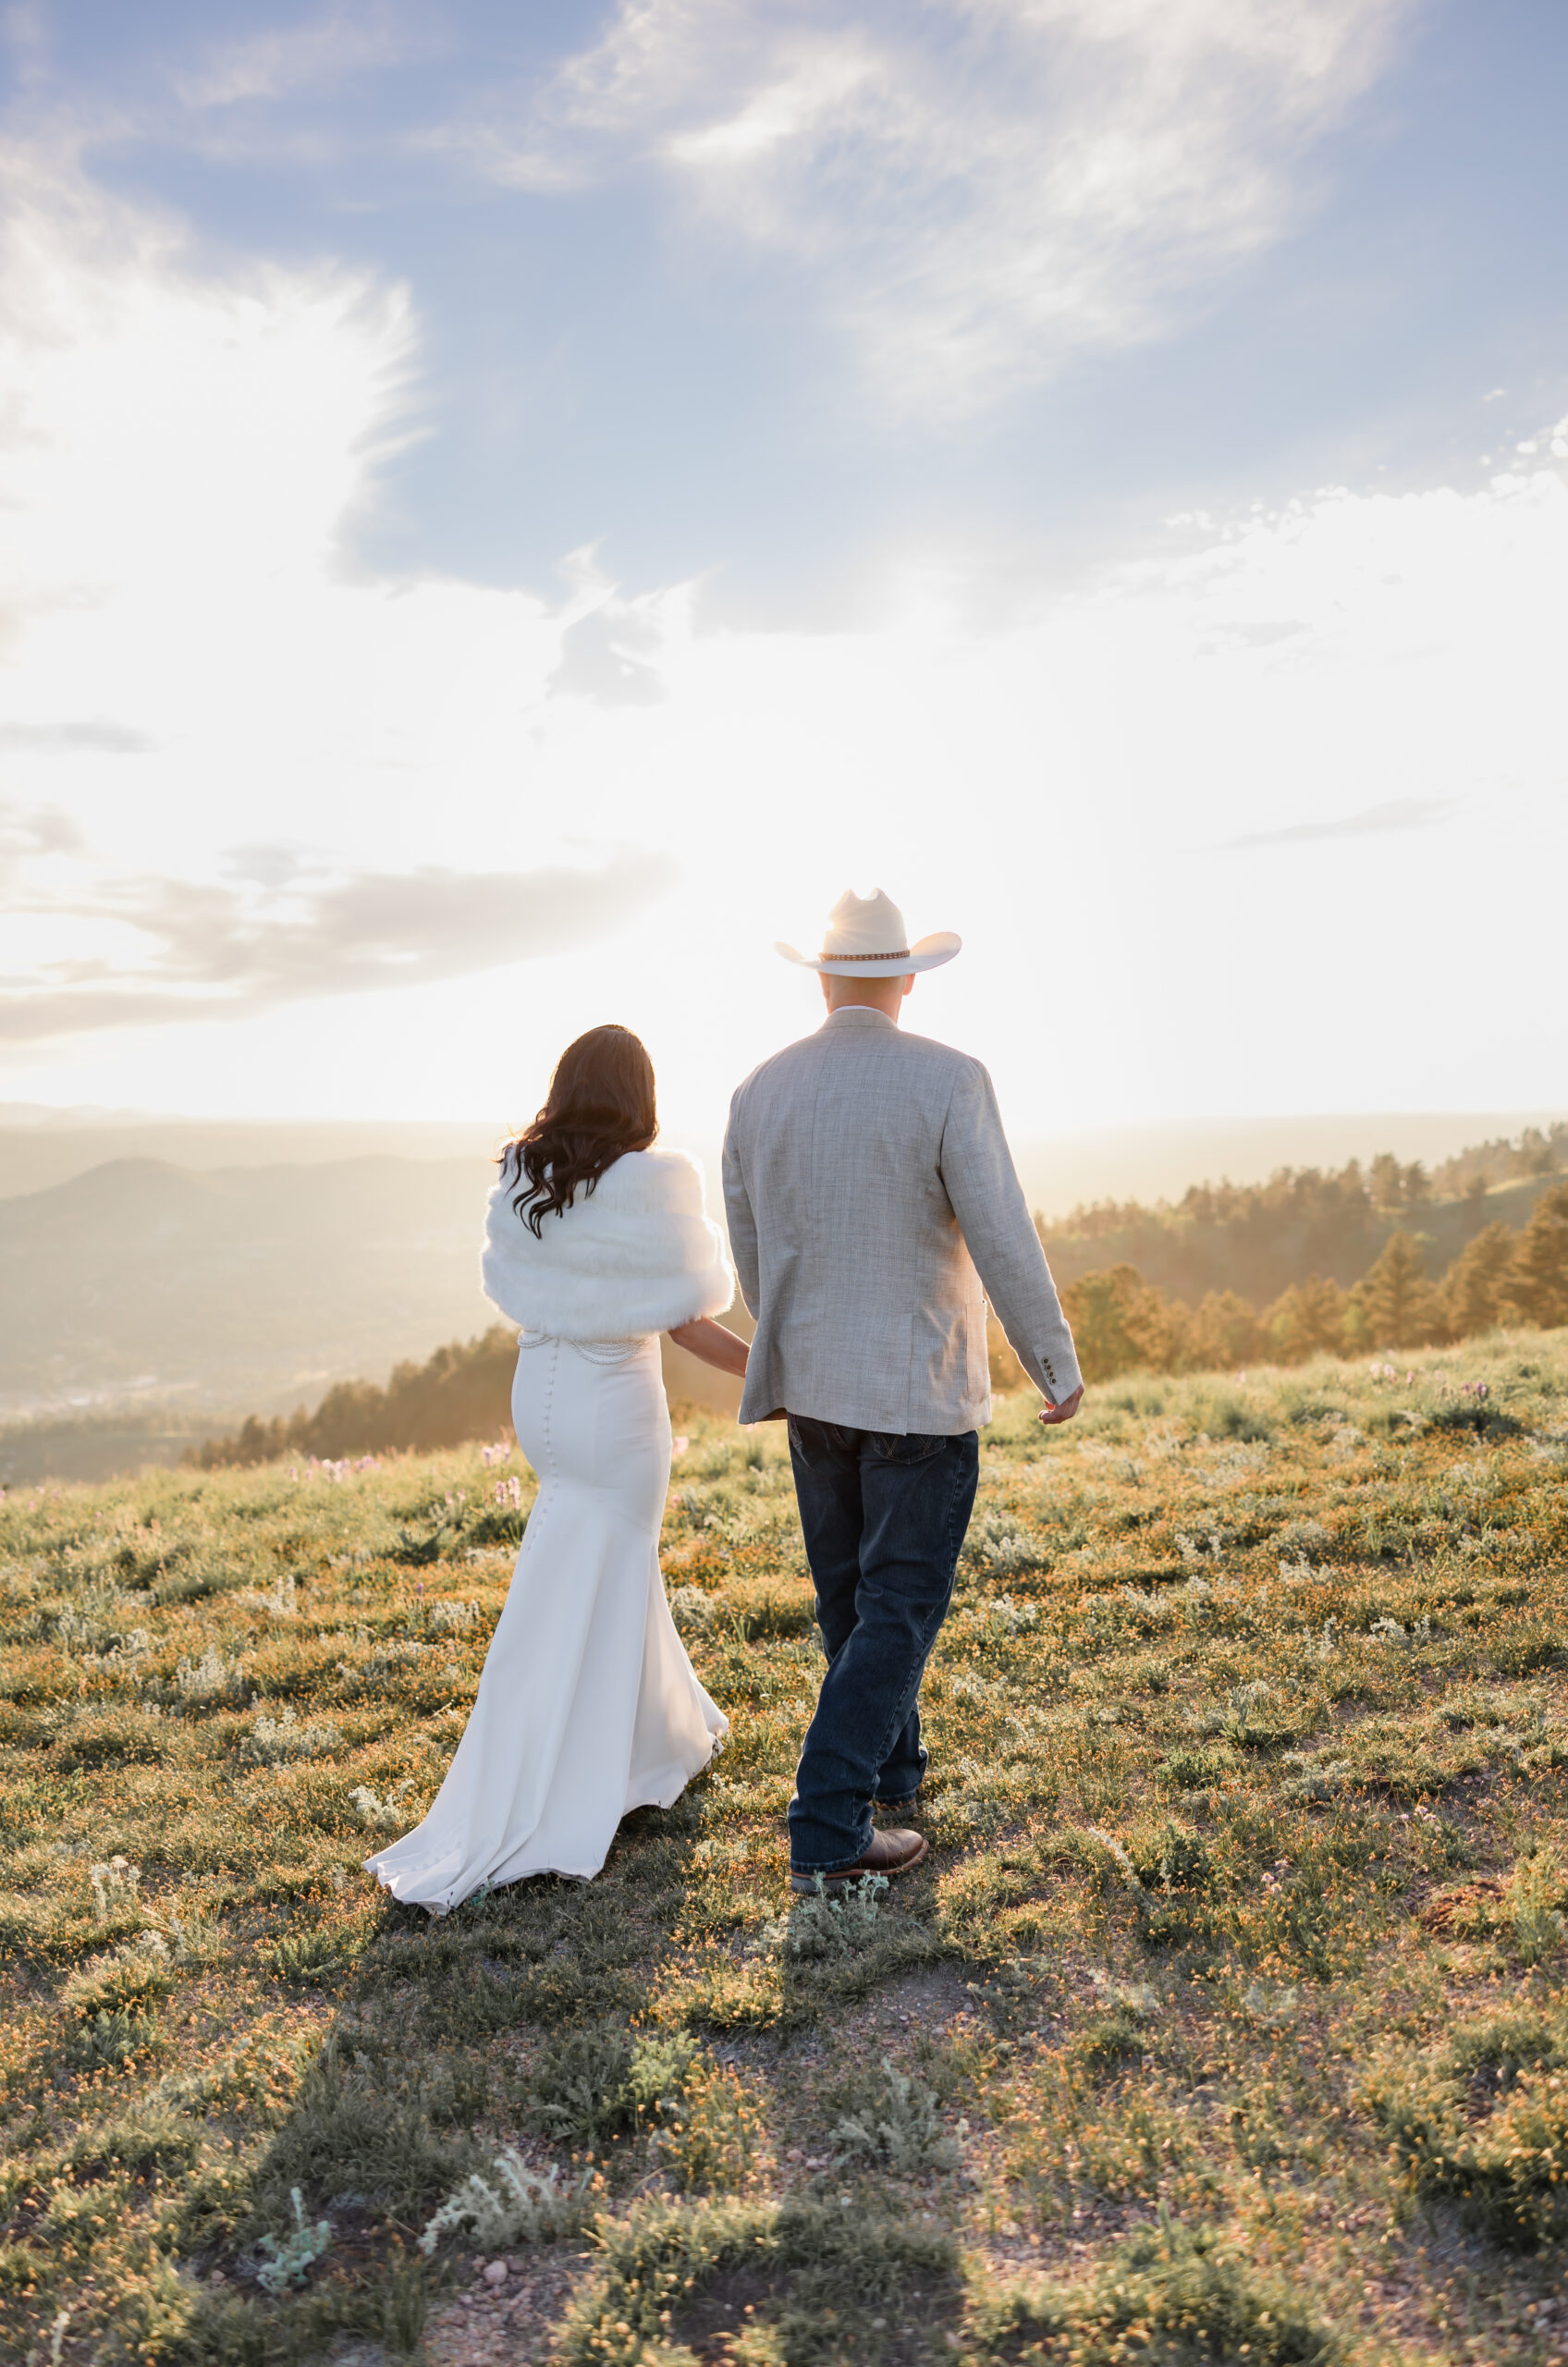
<point>495,2273</point>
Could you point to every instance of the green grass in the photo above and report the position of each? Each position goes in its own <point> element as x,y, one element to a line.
<point>1227,2020</point>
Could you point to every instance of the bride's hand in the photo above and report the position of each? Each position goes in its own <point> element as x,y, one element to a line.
<point>710,1341</point>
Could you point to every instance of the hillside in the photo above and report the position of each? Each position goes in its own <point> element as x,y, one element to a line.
<point>1225,2023</point>
<point>238,1286</point>
<point>39,1149</point>
<point>1260,1239</point>
<point>145,1306</point>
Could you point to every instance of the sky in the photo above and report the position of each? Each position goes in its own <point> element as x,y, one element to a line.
<point>509,511</point>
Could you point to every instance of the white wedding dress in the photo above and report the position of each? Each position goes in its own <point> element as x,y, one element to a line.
<point>588,1705</point>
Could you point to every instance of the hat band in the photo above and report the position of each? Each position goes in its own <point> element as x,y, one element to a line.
<point>903,954</point>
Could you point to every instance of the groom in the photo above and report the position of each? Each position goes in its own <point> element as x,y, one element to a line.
<point>873,1208</point>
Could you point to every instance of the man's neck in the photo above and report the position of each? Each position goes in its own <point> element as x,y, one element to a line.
<point>866,997</point>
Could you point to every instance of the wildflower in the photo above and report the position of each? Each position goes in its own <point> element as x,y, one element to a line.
<point>1124,1865</point>
<point>1139,1998</point>
<point>381,1815</point>
<point>272,1741</point>
<point>288,2260</point>
<point>123,1650</point>
<point>208,1678</point>
<point>114,1883</point>
<point>690,1608</point>
<point>514,2206</point>
<point>826,1925</point>
<point>278,1599</point>
<point>1269,2005</point>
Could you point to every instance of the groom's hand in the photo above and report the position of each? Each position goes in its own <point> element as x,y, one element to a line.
<point>1065,1411</point>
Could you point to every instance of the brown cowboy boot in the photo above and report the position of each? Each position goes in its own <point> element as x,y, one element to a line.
<point>888,1853</point>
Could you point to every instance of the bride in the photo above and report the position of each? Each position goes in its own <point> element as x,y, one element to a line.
<point>588,1705</point>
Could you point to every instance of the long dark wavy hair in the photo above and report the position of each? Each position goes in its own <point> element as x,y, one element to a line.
<point>600,1104</point>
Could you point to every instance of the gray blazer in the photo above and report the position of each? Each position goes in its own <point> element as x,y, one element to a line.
<point>873,1206</point>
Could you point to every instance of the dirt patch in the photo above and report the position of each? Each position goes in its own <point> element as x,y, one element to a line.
<point>1466,1909</point>
<point>932,1997</point>
<point>515,2323</point>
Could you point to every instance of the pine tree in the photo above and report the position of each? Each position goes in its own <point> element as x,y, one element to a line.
<point>1224,1332</point>
<point>1471,1288</point>
<point>1122,1324</point>
<point>1097,1312</point>
<point>1535,1288</point>
<point>1537,1155</point>
<point>1398,1305</point>
<point>1388,1183</point>
<point>1307,1320</point>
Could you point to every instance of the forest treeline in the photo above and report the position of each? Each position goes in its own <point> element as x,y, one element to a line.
<point>1259,1239</point>
<point>1360,1260</point>
<point>462,1392</point>
<point>1122,1322</point>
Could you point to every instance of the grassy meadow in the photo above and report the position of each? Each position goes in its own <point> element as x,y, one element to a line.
<point>1227,2020</point>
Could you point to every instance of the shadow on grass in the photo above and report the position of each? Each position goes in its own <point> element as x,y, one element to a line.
<point>415,2086</point>
<point>546,2009</point>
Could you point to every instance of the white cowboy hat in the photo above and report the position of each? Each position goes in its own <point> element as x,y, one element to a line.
<point>865,937</point>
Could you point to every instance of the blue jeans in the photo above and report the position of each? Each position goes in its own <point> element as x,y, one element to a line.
<point>884,1516</point>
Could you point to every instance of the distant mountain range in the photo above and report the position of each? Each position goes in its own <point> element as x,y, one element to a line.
<point>36,1153</point>
<point>242,1287</point>
<point>39,1147</point>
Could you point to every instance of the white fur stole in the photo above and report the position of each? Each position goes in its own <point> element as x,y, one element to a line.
<point>636,1254</point>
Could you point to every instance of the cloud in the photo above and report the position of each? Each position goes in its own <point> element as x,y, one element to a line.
<point>214,953</point>
<point>185,450</point>
<point>1397,813</point>
<point>106,739</point>
<point>614,650</point>
<point>980,188</point>
<point>165,423</point>
<point>38,830</point>
<point>30,831</point>
<point>264,863</point>
<point>319,52</point>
